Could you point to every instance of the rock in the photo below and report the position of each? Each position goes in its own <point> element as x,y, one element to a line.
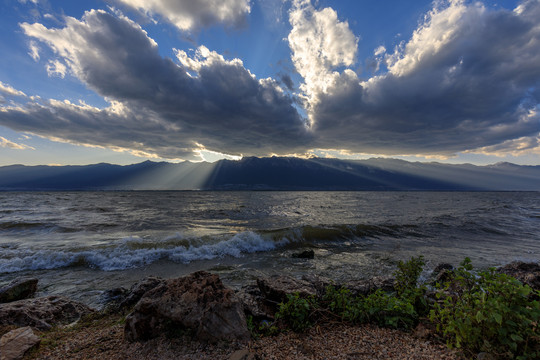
<point>527,273</point>
<point>320,283</point>
<point>441,267</point>
<point>307,254</point>
<point>43,312</point>
<point>368,286</point>
<point>140,288</point>
<point>18,289</point>
<point>254,302</point>
<point>120,299</point>
<point>442,273</point>
<point>16,343</point>
<point>111,299</point>
<point>198,302</point>
<point>275,289</point>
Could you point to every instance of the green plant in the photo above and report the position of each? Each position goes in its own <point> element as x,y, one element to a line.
<point>407,275</point>
<point>296,311</point>
<point>489,312</point>
<point>389,310</point>
<point>251,327</point>
<point>265,328</point>
<point>337,300</point>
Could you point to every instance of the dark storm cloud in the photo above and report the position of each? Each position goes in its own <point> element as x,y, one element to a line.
<point>467,82</point>
<point>219,105</point>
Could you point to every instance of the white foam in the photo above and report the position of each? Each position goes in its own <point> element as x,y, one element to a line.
<point>124,256</point>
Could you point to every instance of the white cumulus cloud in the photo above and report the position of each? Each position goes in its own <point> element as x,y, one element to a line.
<point>188,15</point>
<point>9,90</point>
<point>320,43</point>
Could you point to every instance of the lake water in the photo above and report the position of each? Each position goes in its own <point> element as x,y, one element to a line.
<point>81,243</point>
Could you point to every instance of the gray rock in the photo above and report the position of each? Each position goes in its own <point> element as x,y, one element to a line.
<point>527,273</point>
<point>110,300</point>
<point>254,302</point>
<point>16,343</point>
<point>198,302</point>
<point>442,273</point>
<point>121,299</point>
<point>307,254</point>
<point>276,288</point>
<point>18,289</point>
<point>43,312</point>
<point>140,288</point>
<point>320,283</point>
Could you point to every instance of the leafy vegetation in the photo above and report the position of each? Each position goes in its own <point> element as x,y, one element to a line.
<point>477,312</point>
<point>488,312</point>
<point>296,311</point>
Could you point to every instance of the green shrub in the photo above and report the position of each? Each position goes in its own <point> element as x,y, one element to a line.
<point>488,312</point>
<point>337,301</point>
<point>407,276</point>
<point>389,310</point>
<point>296,311</point>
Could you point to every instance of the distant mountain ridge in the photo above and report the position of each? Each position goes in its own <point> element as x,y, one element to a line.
<point>274,173</point>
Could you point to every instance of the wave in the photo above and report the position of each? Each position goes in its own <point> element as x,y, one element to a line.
<point>14,226</point>
<point>131,253</point>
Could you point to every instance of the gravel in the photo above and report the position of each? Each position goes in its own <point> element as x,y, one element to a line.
<point>105,341</point>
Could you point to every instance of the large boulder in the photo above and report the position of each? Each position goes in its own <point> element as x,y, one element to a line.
<point>527,273</point>
<point>18,289</point>
<point>16,343</point>
<point>43,312</point>
<point>198,302</point>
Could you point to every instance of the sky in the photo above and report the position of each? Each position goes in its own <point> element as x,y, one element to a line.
<point>124,81</point>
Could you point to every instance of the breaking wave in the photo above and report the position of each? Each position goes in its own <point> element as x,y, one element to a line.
<point>134,252</point>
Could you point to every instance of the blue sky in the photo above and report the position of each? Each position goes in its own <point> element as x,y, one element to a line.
<point>123,81</point>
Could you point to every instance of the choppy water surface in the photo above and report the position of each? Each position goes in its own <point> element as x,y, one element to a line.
<point>81,243</point>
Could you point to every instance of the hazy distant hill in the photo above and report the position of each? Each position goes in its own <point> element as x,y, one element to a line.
<point>275,173</point>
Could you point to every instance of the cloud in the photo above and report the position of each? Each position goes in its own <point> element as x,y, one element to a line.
<point>516,147</point>
<point>194,14</point>
<point>5,143</point>
<point>157,106</point>
<point>8,90</point>
<point>34,50</point>
<point>467,78</point>
<point>319,43</point>
<point>56,68</point>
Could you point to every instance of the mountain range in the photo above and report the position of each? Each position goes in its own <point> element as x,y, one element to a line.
<point>275,173</point>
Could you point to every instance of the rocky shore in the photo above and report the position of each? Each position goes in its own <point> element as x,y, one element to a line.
<point>197,317</point>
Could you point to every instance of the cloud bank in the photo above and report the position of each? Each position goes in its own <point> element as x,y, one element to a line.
<point>467,80</point>
<point>157,106</point>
